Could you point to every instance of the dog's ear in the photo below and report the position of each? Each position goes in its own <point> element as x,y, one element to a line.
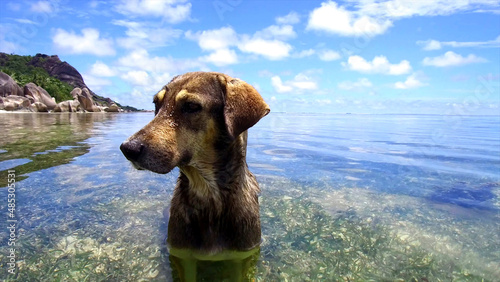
<point>243,107</point>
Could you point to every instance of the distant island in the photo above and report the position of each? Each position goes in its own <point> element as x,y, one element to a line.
<point>44,83</point>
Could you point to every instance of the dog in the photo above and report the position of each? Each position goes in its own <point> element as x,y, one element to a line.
<point>200,126</point>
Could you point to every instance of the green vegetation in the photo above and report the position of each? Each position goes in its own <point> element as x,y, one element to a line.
<point>128,108</point>
<point>20,69</point>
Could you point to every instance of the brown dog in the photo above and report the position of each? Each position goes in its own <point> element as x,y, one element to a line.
<point>200,125</point>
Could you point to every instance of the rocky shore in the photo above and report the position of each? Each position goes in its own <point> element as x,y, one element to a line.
<point>33,98</point>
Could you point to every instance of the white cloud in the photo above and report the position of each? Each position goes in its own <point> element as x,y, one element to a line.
<point>89,42</point>
<point>360,84</point>
<point>304,53</point>
<point>291,18</point>
<point>214,39</point>
<point>95,83</point>
<point>172,11</point>
<point>146,35</point>
<point>218,42</point>
<point>396,9</point>
<point>137,78</point>
<point>279,86</point>
<point>270,49</point>
<point>101,69</point>
<point>221,57</point>
<point>140,59</point>
<point>280,32</point>
<point>299,83</point>
<point>370,18</point>
<point>268,43</point>
<point>430,45</point>
<point>450,59</point>
<point>379,64</point>
<point>412,81</point>
<point>337,20</point>
<point>41,7</point>
<point>436,45</point>
<point>328,55</point>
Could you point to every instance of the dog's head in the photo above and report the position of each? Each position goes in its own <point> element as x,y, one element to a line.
<point>194,113</point>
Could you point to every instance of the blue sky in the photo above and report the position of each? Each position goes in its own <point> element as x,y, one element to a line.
<point>358,56</point>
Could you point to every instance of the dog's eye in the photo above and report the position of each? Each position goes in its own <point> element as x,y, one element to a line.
<point>190,107</point>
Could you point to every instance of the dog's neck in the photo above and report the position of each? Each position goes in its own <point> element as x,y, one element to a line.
<point>225,173</point>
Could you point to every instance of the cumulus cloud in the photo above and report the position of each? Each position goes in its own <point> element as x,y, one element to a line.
<point>89,42</point>
<point>101,69</point>
<point>370,18</point>
<point>299,83</point>
<point>360,84</point>
<point>221,57</point>
<point>451,59</point>
<point>291,18</point>
<point>336,19</point>
<point>146,35</point>
<point>270,49</point>
<point>96,83</point>
<point>279,86</point>
<point>304,53</point>
<point>146,74</point>
<point>328,55</point>
<point>214,39</point>
<point>263,43</point>
<point>137,78</point>
<point>379,64</point>
<point>140,59</point>
<point>397,9</point>
<point>173,11</point>
<point>280,32</point>
<point>412,81</point>
<point>218,42</point>
<point>431,44</point>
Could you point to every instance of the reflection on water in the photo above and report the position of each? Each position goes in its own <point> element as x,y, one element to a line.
<point>33,142</point>
<point>189,266</point>
<point>343,198</point>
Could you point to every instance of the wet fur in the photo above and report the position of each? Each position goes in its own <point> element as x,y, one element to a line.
<point>215,203</point>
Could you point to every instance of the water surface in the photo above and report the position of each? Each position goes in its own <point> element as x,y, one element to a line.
<point>356,197</point>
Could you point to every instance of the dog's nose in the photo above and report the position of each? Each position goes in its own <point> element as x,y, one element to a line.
<point>132,149</point>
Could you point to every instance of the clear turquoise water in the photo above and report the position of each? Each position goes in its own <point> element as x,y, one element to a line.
<point>358,197</point>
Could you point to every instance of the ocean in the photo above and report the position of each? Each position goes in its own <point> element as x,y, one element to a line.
<point>344,197</point>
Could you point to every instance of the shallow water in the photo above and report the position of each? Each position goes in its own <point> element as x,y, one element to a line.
<point>358,197</point>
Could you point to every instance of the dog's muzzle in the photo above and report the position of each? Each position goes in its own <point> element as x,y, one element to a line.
<point>132,149</point>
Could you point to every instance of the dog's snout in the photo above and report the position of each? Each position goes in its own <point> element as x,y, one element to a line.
<point>132,149</point>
